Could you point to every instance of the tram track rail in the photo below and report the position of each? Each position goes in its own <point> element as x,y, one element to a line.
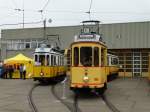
<point>109,104</point>
<point>72,107</point>
<point>30,99</point>
<point>75,107</point>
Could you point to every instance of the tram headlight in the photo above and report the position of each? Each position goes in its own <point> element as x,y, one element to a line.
<point>41,74</point>
<point>86,78</point>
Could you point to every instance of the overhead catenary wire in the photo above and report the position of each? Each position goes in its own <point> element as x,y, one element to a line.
<point>20,23</point>
<point>93,13</point>
<point>15,4</point>
<point>43,9</point>
<point>75,11</point>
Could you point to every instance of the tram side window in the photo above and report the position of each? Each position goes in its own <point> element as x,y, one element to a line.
<point>86,56</point>
<point>36,58</point>
<point>54,60</point>
<point>47,60</point>
<point>42,59</point>
<point>76,56</point>
<point>102,57</point>
<point>108,60</point>
<point>37,61</point>
<point>96,56</point>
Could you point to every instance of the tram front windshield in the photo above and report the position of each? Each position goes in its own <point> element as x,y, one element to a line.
<point>41,60</point>
<point>86,56</point>
<point>89,56</point>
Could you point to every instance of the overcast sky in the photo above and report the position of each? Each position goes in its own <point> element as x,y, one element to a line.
<point>71,12</point>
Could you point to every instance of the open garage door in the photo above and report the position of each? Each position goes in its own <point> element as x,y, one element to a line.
<point>137,64</point>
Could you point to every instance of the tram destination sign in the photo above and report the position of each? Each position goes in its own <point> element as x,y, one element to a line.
<point>86,36</point>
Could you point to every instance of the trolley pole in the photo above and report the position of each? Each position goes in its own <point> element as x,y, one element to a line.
<point>44,33</point>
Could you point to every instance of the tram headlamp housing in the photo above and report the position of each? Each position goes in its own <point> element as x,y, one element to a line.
<point>86,78</point>
<point>41,74</point>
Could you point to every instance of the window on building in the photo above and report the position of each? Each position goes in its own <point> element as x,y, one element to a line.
<point>34,44</point>
<point>23,44</point>
<point>114,61</point>
<point>27,45</point>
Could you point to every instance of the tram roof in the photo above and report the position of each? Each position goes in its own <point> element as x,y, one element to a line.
<point>112,55</point>
<point>89,42</point>
<point>46,50</point>
<point>91,21</point>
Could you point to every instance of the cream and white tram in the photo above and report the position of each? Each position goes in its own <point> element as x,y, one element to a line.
<point>49,64</point>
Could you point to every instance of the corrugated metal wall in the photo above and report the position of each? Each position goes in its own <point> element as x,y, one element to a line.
<point>121,35</point>
<point>116,36</point>
<point>127,35</point>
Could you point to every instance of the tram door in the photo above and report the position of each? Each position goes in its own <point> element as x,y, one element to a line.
<point>136,64</point>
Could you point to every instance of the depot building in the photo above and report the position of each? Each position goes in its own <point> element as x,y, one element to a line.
<point>129,41</point>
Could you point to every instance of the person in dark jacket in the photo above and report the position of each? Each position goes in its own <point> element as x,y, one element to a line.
<point>21,71</point>
<point>1,72</point>
<point>5,71</point>
<point>24,72</point>
<point>10,71</point>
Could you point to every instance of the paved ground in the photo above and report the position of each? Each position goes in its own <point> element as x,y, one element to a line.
<point>45,101</point>
<point>13,95</point>
<point>128,95</point>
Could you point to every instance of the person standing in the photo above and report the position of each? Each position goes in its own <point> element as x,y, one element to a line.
<point>21,71</point>
<point>10,70</point>
<point>24,72</point>
<point>5,72</point>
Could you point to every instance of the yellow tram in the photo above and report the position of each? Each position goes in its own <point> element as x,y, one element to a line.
<point>88,57</point>
<point>113,66</point>
<point>149,68</point>
<point>49,64</point>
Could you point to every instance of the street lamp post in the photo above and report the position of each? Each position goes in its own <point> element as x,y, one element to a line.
<point>22,15</point>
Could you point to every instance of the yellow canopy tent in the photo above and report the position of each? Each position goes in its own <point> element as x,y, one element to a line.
<point>20,58</point>
<point>16,61</point>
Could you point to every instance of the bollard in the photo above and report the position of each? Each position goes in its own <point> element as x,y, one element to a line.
<point>64,88</point>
